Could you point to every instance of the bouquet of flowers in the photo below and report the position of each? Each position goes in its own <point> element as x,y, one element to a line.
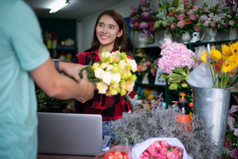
<point>143,18</point>
<point>185,20</point>
<point>145,65</point>
<point>222,64</point>
<point>116,152</point>
<point>163,20</point>
<point>176,61</point>
<point>210,17</point>
<point>168,148</point>
<point>113,74</point>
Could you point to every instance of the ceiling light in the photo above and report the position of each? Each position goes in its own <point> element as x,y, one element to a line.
<point>59,5</point>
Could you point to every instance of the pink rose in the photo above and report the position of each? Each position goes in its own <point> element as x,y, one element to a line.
<point>213,24</point>
<point>193,17</point>
<point>181,24</point>
<point>136,24</point>
<point>133,7</point>
<point>170,155</point>
<point>173,25</point>
<point>148,63</point>
<point>181,17</point>
<point>132,14</point>
<point>197,28</point>
<point>164,150</point>
<point>164,143</point>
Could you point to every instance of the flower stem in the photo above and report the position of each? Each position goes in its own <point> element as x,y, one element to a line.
<point>213,80</point>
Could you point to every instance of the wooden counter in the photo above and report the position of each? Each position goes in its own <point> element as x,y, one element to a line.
<point>54,156</point>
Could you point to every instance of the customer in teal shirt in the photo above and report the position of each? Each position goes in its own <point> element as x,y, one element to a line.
<point>23,59</point>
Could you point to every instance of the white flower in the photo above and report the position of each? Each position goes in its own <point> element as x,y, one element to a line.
<point>122,64</point>
<point>132,64</point>
<point>116,77</point>
<point>236,132</point>
<point>109,67</point>
<point>104,65</point>
<point>107,77</point>
<point>232,22</point>
<point>106,54</point>
<point>99,73</point>
<point>102,87</point>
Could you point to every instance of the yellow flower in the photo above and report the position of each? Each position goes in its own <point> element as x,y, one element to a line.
<point>224,58</point>
<point>150,97</point>
<point>234,48</point>
<point>215,55</point>
<point>234,59</point>
<point>226,51</point>
<point>204,56</point>
<point>228,66</point>
<point>95,66</point>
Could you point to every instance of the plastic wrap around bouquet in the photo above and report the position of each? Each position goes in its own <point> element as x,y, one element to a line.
<point>169,148</point>
<point>113,74</point>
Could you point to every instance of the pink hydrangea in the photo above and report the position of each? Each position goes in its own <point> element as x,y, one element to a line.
<point>176,55</point>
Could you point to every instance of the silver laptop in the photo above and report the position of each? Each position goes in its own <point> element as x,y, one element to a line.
<point>69,133</point>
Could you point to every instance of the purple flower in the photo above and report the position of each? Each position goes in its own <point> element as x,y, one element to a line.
<point>145,9</point>
<point>143,2</point>
<point>234,108</point>
<point>145,15</point>
<point>231,121</point>
<point>234,153</point>
<point>143,25</point>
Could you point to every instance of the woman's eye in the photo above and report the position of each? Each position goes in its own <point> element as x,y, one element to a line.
<point>111,27</point>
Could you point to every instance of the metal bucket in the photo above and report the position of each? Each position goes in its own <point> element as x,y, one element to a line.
<point>211,105</point>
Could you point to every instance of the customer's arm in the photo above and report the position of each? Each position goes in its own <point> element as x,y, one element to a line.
<point>60,86</point>
<point>71,69</point>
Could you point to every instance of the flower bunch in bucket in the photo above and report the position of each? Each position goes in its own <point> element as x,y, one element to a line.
<point>221,64</point>
<point>113,74</point>
<point>176,62</point>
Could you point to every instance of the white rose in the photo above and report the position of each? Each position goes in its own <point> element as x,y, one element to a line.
<point>107,77</point>
<point>132,64</point>
<point>122,64</point>
<point>109,67</point>
<point>106,54</point>
<point>102,87</point>
<point>116,77</point>
<point>99,73</point>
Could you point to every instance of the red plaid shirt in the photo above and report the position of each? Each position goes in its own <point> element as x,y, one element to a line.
<point>110,107</point>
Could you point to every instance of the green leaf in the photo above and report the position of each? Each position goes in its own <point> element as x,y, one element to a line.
<point>234,80</point>
<point>174,75</point>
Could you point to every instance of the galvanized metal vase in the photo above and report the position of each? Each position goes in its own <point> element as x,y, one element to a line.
<point>211,105</point>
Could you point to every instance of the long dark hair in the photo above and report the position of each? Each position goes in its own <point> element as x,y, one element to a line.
<point>120,41</point>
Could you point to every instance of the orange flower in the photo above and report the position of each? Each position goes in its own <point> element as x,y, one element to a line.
<point>171,14</point>
<point>233,73</point>
<point>217,68</point>
<point>187,21</point>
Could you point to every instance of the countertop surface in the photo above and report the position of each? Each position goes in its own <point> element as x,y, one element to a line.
<point>55,156</point>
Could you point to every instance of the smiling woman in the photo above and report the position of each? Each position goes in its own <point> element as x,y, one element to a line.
<point>109,35</point>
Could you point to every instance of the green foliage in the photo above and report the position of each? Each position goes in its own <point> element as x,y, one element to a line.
<point>46,103</point>
<point>91,74</point>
